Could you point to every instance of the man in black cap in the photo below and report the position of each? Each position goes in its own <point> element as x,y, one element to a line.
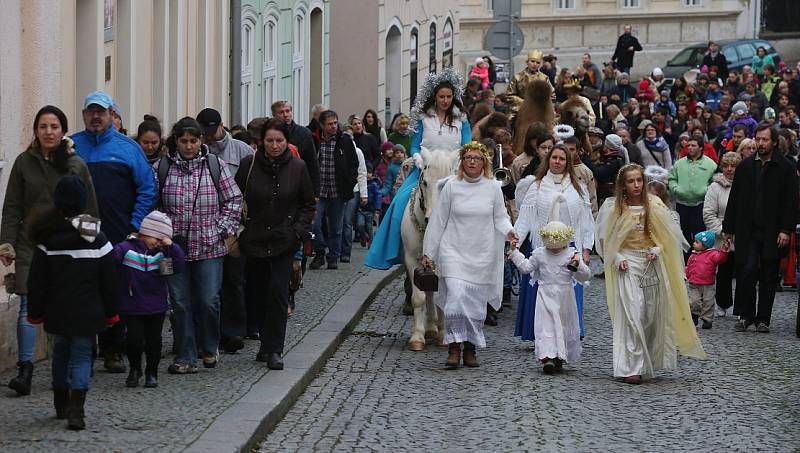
<point>232,304</point>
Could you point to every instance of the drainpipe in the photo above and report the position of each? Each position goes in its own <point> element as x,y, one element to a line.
<point>236,62</point>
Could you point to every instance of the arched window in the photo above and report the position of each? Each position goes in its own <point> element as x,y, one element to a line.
<point>248,55</point>
<point>447,36</point>
<point>269,71</point>
<point>414,51</point>
<point>432,50</point>
<point>298,67</point>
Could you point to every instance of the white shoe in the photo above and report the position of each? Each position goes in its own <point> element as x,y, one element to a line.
<point>719,312</point>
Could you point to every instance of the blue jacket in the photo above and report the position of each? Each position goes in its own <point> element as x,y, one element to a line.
<point>142,289</point>
<point>375,195</point>
<point>391,177</point>
<point>123,180</point>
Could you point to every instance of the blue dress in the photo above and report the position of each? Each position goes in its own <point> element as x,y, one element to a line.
<point>387,248</point>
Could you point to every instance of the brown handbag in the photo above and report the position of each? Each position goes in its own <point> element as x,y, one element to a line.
<point>425,279</point>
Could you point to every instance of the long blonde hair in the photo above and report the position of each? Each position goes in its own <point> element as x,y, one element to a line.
<point>544,167</point>
<point>622,197</point>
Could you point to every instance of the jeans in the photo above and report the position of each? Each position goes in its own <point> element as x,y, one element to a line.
<point>233,316</point>
<point>348,218</point>
<point>364,219</point>
<point>26,332</point>
<point>72,361</point>
<point>331,209</point>
<point>144,336</point>
<point>268,292</point>
<point>195,303</point>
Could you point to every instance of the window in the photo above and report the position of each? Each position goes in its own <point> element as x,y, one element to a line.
<point>565,4</point>
<point>432,50</point>
<point>269,70</point>
<point>248,52</point>
<point>298,68</point>
<point>746,51</point>
<point>730,54</point>
<point>631,3</point>
<point>692,2</point>
<point>489,4</point>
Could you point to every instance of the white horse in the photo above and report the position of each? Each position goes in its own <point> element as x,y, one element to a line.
<point>428,319</point>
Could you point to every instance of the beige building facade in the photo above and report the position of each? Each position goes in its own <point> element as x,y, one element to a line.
<point>407,38</point>
<point>568,28</point>
<point>164,57</point>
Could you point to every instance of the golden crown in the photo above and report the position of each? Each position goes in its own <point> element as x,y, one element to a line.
<point>572,83</point>
<point>536,55</point>
<point>475,146</point>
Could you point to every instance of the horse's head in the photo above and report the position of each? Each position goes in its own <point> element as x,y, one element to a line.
<point>437,165</point>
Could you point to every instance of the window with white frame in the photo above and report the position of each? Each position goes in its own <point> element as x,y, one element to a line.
<point>693,2</point>
<point>489,5</point>
<point>269,71</point>
<point>631,3</point>
<point>298,68</point>
<point>565,4</point>
<point>248,53</point>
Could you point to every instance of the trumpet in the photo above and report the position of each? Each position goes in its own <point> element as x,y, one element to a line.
<point>503,175</point>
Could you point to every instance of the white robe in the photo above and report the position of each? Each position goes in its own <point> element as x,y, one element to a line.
<point>556,325</point>
<point>465,238</point>
<point>535,203</point>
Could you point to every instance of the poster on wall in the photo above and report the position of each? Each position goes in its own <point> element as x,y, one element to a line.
<point>108,20</point>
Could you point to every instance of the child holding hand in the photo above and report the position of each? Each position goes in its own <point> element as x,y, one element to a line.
<point>554,266</point>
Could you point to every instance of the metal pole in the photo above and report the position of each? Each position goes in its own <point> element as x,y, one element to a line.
<point>236,62</point>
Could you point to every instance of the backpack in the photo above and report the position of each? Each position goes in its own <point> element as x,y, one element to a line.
<point>213,167</point>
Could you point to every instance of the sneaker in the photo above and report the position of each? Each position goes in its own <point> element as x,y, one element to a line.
<point>706,324</point>
<point>741,325</point>
<point>182,368</point>
<point>317,262</point>
<point>113,363</point>
<point>719,312</point>
<point>762,328</point>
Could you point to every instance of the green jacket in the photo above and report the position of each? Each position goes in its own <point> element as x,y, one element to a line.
<point>30,188</point>
<point>689,179</point>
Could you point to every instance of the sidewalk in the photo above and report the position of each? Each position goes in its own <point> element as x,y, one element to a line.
<point>213,410</point>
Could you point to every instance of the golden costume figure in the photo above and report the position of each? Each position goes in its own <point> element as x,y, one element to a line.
<point>517,87</point>
<point>648,303</point>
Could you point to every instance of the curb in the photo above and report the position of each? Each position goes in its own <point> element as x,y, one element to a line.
<point>255,414</point>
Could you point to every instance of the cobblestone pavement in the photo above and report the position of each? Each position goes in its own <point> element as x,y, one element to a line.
<point>176,413</point>
<point>375,395</point>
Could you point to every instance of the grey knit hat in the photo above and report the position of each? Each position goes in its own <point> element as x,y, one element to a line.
<point>613,141</point>
<point>157,225</point>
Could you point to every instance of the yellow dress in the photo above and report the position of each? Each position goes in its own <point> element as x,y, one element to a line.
<point>648,303</point>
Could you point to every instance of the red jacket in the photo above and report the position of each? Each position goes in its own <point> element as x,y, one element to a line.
<point>702,266</point>
<point>708,150</point>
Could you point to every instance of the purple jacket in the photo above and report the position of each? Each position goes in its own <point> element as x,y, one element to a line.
<point>748,122</point>
<point>142,289</point>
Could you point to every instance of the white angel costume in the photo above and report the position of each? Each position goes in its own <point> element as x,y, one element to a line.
<point>648,303</point>
<point>465,239</point>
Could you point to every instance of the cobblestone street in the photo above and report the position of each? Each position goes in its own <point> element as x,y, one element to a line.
<point>375,395</point>
<point>172,416</point>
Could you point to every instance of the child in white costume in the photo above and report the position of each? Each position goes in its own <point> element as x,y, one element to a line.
<point>556,325</point>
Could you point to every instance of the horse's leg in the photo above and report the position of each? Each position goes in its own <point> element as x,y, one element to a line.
<point>417,340</point>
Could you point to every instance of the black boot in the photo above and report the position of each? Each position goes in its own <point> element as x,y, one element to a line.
<point>22,383</point>
<point>61,402</point>
<point>491,316</point>
<point>318,261</point>
<point>133,377</point>
<point>75,414</point>
<point>507,297</point>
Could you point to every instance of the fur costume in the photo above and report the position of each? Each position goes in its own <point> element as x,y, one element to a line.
<point>537,107</point>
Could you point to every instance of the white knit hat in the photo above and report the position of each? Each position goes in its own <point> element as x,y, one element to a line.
<point>157,225</point>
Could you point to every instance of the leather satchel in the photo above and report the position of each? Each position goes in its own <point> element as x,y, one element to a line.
<point>425,279</point>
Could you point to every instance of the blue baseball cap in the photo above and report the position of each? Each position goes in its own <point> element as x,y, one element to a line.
<point>100,98</point>
<point>706,238</point>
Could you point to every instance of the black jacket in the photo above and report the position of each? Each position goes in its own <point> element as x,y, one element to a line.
<point>346,164</point>
<point>302,138</point>
<point>280,204</point>
<point>719,61</point>
<point>634,153</point>
<point>762,203</point>
<point>72,286</point>
<point>605,172</point>
<point>623,56</point>
<point>368,144</point>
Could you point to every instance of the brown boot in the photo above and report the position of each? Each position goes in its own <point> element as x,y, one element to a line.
<point>470,358</point>
<point>454,357</point>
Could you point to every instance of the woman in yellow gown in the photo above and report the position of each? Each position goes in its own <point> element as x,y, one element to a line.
<point>647,300</point>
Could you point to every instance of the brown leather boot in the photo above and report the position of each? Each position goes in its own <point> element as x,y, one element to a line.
<point>470,358</point>
<point>454,357</point>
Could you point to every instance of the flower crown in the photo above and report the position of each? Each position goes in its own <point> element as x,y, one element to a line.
<point>556,234</point>
<point>475,146</point>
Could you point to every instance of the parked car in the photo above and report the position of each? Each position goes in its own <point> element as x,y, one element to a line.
<point>738,52</point>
